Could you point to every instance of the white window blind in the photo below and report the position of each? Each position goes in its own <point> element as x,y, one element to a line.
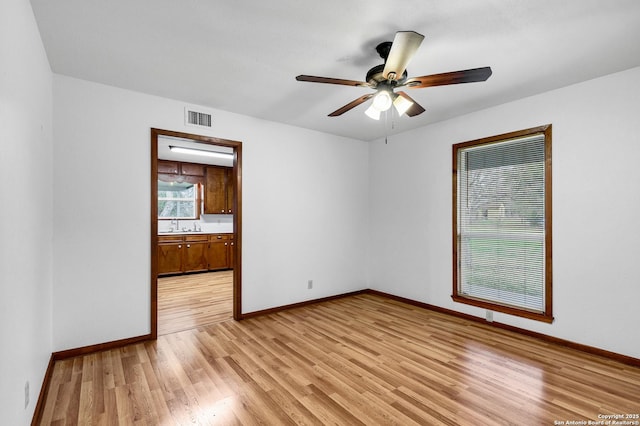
<point>501,222</point>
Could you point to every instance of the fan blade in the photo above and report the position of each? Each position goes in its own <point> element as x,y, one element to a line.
<point>351,105</point>
<point>454,77</point>
<point>404,46</point>
<point>340,81</point>
<point>415,109</point>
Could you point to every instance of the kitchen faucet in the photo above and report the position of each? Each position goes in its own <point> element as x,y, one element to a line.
<point>177,227</point>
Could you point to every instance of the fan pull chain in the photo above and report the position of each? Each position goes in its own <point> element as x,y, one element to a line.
<point>386,127</point>
<point>386,124</point>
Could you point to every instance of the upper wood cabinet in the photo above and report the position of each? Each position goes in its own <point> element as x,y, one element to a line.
<point>218,190</point>
<point>191,169</point>
<point>168,167</point>
<point>191,172</point>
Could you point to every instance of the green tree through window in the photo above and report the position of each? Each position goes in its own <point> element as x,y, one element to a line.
<point>176,200</point>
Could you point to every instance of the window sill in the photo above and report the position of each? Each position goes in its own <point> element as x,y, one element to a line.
<point>537,316</point>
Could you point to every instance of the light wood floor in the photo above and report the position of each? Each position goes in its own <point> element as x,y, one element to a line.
<point>357,360</point>
<point>189,301</point>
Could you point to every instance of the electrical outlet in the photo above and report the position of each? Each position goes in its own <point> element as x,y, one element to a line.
<point>26,394</point>
<point>489,316</point>
<point>310,284</point>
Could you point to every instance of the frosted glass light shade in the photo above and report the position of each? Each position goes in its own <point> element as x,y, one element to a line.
<point>373,112</point>
<point>402,104</point>
<point>382,101</point>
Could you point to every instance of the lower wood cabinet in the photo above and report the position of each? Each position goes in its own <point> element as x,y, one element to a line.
<point>194,253</point>
<point>170,254</point>
<point>221,253</point>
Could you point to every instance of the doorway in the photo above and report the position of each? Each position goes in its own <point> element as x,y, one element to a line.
<point>205,143</point>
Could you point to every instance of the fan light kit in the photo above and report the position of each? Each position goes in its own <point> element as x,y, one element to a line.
<point>382,101</point>
<point>393,73</point>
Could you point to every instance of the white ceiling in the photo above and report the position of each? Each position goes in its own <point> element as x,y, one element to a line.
<point>242,56</point>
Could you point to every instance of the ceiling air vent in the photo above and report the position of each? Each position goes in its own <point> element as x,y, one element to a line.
<point>196,118</point>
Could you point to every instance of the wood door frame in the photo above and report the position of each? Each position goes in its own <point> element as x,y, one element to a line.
<point>237,218</point>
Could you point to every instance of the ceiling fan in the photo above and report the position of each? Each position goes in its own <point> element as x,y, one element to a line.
<point>393,74</point>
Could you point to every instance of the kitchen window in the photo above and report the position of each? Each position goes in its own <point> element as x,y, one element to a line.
<point>502,223</point>
<point>177,200</point>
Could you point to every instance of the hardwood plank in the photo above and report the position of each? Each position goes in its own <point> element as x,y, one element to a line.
<point>193,300</point>
<point>364,359</point>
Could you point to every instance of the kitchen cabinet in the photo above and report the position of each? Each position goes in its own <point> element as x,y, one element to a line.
<point>191,169</point>
<point>184,253</point>
<point>218,190</point>
<point>230,190</point>
<point>221,251</point>
<point>194,253</point>
<point>176,171</point>
<point>218,254</point>
<point>168,167</point>
<point>180,168</point>
<point>232,252</point>
<point>170,254</point>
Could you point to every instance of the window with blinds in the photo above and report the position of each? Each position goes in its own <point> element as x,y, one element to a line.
<point>502,223</point>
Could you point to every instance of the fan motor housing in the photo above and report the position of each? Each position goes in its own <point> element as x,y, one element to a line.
<point>374,76</point>
<point>383,49</point>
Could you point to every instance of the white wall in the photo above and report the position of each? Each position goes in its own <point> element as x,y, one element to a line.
<point>306,210</point>
<point>596,205</point>
<point>305,199</point>
<point>25,212</point>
